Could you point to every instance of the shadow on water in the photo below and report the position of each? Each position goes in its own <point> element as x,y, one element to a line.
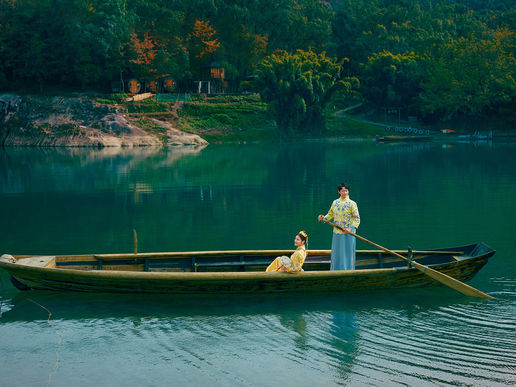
<point>374,338</point>
<point>33,305</point>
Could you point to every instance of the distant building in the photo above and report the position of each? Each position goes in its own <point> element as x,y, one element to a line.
<point>213,79</point>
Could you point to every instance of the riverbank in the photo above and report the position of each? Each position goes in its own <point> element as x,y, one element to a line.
<point>81,120</point>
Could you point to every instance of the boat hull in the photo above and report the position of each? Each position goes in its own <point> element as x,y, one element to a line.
<point>50,277</point>
<point>127,282</point>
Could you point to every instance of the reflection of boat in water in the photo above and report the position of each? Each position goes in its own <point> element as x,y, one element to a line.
<point>477,136</point>
<point>31,306</point>
<point>402,138</point>
<point>235,271</point>
<point>442,135</point>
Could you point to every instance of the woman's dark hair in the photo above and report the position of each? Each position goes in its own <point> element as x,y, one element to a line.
<point>342,185</point>
<point>303,235</point>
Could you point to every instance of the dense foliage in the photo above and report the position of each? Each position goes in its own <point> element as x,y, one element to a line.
<point>298,86</point>
<point>431,58</point>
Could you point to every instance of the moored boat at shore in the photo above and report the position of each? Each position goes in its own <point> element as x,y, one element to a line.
<point>403,138</point>
<point>236,271</point>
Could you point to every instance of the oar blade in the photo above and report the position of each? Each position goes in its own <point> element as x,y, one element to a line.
<point>451,282</point>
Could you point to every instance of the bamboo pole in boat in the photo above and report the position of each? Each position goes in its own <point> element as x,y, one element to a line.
<point>135,241</point>
<point>436,275</point>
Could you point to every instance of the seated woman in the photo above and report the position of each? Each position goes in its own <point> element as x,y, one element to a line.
<point>295,262</point>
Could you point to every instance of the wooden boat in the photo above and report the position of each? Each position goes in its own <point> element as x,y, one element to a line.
<point>235,271</point>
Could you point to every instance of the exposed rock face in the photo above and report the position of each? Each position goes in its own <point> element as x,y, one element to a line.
<point>177,137</point>
<point>77,121</point>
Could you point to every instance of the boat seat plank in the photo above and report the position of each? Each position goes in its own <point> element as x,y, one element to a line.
<point>163,265</point>
<point>232,263</point>
<point>190,254</point>
<point>253,263</point>
<point>275,253</point>
<point>43,261</point>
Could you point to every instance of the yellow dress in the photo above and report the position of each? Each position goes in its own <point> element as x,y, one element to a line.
<point>293,264</point>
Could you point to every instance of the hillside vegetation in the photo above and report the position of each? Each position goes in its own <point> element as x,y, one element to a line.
<point>430,59</point>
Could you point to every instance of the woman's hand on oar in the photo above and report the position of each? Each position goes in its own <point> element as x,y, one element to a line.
<point>436,275</point>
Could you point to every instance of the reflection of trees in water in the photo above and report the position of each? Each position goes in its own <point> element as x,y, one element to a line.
<point>43,169</point>
<point>403,170</point>
<point>231,196</point>
<point>33,169</point>
<point>415,185</point>
<point>298,170</point>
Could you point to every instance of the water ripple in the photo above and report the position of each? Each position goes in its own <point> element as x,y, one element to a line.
<point>451,344</point>
<point>344,343</point>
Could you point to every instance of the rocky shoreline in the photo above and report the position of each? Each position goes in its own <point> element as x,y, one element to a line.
<point>79,121</point>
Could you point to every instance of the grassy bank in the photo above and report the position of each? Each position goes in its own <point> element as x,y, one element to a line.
<point>350,127</point>
<point>226,118</point>
<point>230,119</point>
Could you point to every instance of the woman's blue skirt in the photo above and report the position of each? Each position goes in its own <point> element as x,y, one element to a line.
<point>343,252</point>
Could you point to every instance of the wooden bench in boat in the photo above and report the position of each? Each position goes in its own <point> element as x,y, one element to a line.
<point>43,261</point>
<point>372,263</point>
<point>242,264</point>
<point>224,261</point>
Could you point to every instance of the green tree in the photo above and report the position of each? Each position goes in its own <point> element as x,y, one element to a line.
<point>96,33</point>
<point>472,76</point>
<point>362,28</point>
<point>390,80</point>
<point>298,86</point>
<point>25,57</point>
<point>50,42</point>
<point>290,25</point>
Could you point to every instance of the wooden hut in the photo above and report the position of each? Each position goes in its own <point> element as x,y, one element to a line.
<point>215,74</point>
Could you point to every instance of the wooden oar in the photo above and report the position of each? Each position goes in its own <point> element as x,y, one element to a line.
<point>436,275</point>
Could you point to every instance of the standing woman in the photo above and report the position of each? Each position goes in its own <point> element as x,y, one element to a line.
<point>344,211</point>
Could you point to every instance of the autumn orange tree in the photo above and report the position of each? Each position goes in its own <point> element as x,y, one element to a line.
<point>202,42</point>
<point>145,53</point>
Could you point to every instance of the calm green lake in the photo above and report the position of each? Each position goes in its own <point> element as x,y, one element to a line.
<point>428,195</point>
